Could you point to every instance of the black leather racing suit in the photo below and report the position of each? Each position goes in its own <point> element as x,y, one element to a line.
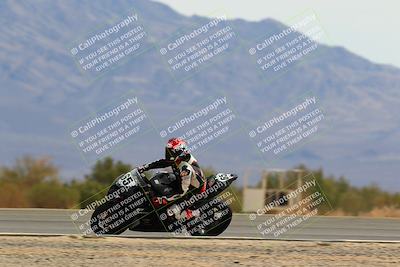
<point>185,164</point>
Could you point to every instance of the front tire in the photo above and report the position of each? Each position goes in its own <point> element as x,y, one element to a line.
<point>106,222</point>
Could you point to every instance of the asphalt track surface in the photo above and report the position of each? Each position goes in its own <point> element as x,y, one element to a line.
<point>317,228</point>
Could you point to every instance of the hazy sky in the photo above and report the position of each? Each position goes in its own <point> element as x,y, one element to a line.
<point>369,28</point>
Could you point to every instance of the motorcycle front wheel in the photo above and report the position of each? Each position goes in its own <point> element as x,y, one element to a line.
<point>107,219</point>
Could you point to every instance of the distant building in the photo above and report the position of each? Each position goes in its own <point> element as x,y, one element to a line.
<point>256,198</point>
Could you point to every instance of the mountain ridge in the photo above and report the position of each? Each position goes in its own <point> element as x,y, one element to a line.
<point>44,92</point>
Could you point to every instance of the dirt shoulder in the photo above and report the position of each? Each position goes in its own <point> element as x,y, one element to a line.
<point>111,251</point>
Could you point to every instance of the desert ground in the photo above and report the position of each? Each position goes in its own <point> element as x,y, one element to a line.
<point>113,251</point>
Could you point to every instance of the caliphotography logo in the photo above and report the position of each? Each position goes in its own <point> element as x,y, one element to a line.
<point>199,133</point>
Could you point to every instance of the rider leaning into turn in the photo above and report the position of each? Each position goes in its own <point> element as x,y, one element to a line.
<point>185,167</point>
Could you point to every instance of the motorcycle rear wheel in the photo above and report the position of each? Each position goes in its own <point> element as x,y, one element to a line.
<point>217,227</point>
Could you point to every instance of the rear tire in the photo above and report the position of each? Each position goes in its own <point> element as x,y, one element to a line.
<point>220,228</point>
<point>219,225</point>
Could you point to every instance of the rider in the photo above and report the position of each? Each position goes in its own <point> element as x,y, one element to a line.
<point>187,171</point>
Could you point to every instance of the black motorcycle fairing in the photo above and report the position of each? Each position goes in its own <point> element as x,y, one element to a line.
<point>164,184</point>
<point>131,181</point>
<point>137,217</point>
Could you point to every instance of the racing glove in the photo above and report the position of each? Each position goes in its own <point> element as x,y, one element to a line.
<point>159,201</point>
<point>143,168</point>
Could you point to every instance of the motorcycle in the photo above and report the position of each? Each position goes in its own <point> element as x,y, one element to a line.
<point>129,205</point>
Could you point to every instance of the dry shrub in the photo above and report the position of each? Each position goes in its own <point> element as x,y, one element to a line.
<point>383,212</point>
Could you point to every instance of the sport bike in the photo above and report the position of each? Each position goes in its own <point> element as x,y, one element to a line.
<point>128,205</point>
